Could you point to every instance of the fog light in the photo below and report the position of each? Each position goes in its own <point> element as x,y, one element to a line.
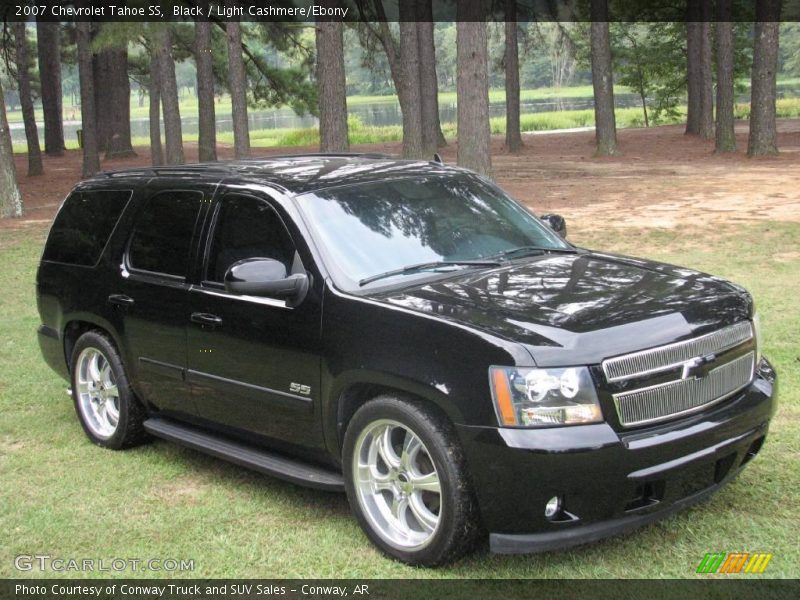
<point>553,507</point>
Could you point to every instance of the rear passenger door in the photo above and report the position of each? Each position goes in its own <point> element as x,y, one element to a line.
<point>253,362</point>
<point>151,293</point>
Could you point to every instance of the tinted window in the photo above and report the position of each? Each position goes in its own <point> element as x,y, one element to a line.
<point>247,228</point>
<point>162,236</point>
<point>372,228</point>
<point>83,226</point>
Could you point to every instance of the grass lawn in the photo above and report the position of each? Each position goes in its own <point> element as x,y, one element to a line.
<point>65,497</point>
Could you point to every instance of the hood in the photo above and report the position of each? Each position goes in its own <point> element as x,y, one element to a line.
<point>581,308</point>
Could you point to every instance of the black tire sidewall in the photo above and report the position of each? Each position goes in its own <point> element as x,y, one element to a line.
<point>457,522</point>
<point>128,424</point>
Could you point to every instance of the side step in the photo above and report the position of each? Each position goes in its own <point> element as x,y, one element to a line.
<point>257,459</point>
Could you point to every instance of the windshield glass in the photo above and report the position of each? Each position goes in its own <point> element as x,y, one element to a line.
<point>373,228</point>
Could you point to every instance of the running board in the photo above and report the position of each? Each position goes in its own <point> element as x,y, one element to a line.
<point>257,459</point>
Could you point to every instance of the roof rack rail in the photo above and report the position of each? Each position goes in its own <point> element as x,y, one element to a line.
<point>321,155</point>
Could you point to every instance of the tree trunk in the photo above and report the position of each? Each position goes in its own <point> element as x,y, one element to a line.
<point>238,89</point>
<point>91,158</point>
<point>26,102</point>
<point>113,102</point>
<point>48,37</point>
<point>173,136</point>
<point>206,117</point>
<point>603,82</point>
<point>432,136</point>
<point>410,82</point>
<point>156,150</point>
<point>10,198</point>
<point>511,64</point>
<point>332,88</point>
<point>763,130</point>
<point>725,140</point>
<point>472,88</point>
<point>700,92</point>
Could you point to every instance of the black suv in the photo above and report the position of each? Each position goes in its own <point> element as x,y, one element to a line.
<point>407,333</point>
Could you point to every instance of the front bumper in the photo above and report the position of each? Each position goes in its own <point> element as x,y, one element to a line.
<point>610,481</point>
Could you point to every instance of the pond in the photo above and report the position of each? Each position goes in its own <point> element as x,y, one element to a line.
<point>374,113</point>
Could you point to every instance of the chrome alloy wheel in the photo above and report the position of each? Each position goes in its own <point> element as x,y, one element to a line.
<point>397,485</point>
<point>98,396</point>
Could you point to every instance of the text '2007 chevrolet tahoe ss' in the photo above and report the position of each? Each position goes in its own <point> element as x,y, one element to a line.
<point>405,332</point>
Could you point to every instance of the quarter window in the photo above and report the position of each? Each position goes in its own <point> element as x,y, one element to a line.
<point>83,226</point>
<point>162,237</point>
<point>247,227</point>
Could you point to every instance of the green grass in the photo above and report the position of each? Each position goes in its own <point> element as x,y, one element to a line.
<point>65,497</point>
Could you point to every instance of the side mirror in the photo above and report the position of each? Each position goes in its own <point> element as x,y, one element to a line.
<point>265,277</point>
<point>557,223</point>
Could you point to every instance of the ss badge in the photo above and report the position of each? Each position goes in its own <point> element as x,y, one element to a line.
<point>298,388</point>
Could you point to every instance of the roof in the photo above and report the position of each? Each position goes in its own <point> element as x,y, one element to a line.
<point>301,173</point>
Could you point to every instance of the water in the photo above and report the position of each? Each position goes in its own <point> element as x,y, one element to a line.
<point>375,113</point>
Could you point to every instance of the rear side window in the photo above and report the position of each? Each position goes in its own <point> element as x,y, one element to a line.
<point>162,237</point>
<point>83,226</point>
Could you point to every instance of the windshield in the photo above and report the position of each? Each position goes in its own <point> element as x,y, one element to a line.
<point>375,228</point>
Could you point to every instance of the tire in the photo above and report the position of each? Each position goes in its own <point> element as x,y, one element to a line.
<point>106,406</point>
<point>395,451</point>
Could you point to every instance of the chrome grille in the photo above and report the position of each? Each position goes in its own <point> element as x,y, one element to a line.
<point>674,355</point>
<point>674,398</point>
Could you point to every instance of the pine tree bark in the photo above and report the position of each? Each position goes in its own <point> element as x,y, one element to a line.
<point>156,150</point>
<point>10,198</point>
<point>91,158</point>
<point>113,102</point>
<point>763,138</point>
<point>206,116</point>
<point>700,93</point>
<point>238,89</point>
<point>472,88</point>
<point>48,46</point>
<point>173,135</point>
<point>332,87</point>
<point>35,166</point>
<point>410,82</point>
<point>603,82</point>
<point>511,64</point>
<point>432,136</point>
<point>725,139</point>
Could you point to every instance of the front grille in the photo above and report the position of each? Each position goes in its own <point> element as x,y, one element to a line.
<point>665,358</point>
<point>674,398</point>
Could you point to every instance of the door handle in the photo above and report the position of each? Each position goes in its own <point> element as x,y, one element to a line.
<point>120,300</point>
<point>206,319</point>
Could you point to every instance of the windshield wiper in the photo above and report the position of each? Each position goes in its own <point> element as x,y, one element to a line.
<point>529,250</point>
<point>426,266</point>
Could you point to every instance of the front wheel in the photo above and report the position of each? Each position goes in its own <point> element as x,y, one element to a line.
<point>406,482</point>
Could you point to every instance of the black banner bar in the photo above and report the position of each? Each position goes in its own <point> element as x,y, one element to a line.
<point>733,588</point>
<point>304,11</point>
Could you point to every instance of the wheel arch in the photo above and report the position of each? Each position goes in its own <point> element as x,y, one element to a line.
<point>77,325</point>
<point>359,387</point>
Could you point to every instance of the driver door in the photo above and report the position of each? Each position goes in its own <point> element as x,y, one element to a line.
<point>253,362</point>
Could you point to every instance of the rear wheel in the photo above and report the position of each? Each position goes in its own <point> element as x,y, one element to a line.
<point>406,482</point>
<point>109,412</point>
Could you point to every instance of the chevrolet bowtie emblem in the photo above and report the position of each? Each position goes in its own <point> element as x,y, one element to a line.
<point>697,366</point>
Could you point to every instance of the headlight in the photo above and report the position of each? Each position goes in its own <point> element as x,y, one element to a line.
<point>759,339</point>
<point>527,397</point>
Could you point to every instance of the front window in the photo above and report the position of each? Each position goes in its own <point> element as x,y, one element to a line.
<point>372,229</point>
<point>247,227</point>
